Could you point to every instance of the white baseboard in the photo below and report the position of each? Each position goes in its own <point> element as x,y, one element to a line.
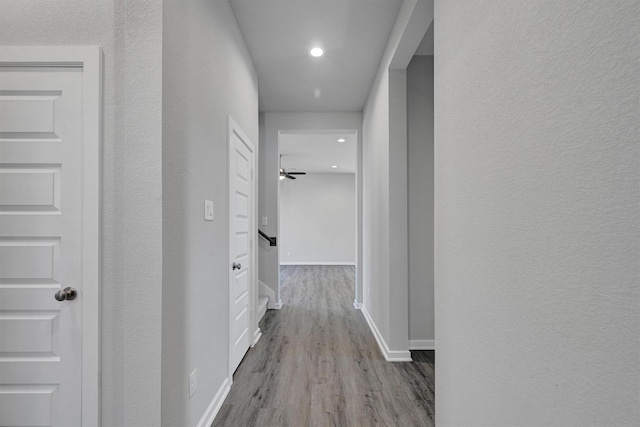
<point>357,305</point>
<point>422,344</point>
<point>389,355</point>
<point>256,336</point>
<point>216,403</point>
<point>268,292</point>
<point>316,263</point>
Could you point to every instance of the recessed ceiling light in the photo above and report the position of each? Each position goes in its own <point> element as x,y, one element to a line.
<point>316,51</point>
<point>335,166</point>
<point>342,140</point>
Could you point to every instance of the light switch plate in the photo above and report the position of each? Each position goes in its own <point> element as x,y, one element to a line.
<point>264,220</point>
<point>208,210</point>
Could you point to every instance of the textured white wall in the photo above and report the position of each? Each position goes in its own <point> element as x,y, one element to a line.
<point>130,35</point>
<point>271,124</point>
<point>142,228</point>
<point>318,219</point>
<point>207,74</point>
<point>420,181</point>
<point>537,212</point>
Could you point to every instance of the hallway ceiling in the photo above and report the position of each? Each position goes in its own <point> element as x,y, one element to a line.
<point>280,33</point>
<point>317,152</point>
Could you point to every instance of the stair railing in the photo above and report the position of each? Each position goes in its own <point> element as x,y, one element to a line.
<point>272,240</point>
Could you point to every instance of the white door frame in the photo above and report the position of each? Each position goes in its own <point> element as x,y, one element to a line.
<point>358,293</point>
<point>254,330</point>
<point>89,59</point>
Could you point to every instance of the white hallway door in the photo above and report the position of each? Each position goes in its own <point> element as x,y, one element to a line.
<point>241,246</point>
<point>45,245</point>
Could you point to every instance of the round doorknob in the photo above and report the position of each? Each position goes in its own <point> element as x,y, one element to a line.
<point>66,294</point>
<point>236,266</point>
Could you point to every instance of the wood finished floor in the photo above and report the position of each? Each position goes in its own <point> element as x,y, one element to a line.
<point>318,364</point>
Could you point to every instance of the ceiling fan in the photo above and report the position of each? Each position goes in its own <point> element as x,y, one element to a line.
<point>286,174</point>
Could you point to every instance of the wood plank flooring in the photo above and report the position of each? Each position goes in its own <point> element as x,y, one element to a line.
<point>318,364</point>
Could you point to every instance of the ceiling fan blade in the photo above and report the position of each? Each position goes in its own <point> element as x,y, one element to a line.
<point>297,173</point>
<point>290,177</point>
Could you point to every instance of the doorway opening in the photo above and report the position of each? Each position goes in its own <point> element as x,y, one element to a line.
<point>317,199</point>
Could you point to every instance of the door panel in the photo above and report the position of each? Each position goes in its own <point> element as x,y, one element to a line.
<point>41,246</point>
<point>241,217</point>
<point>13,399</point>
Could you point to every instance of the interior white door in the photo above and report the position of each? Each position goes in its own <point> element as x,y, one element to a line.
<point>241,236</point>
<point>41,246</point>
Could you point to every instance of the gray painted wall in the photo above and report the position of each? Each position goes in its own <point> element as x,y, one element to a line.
<point>207,75</point>
<point>385,204</point>
<point>318,219</point>
<point>270,124</point>
<point>375,236</point>
<point>537,212</point>
<point>146,118</point>
<point>130,34</point>
<point>420,181</point>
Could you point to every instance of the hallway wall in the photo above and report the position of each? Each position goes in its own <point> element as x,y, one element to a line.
<point>537,212</point>
<point>375,237</point>
<point>420,198</point>
<point>385,186</point>
<point>207,75</point>
<point>130,34</point>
